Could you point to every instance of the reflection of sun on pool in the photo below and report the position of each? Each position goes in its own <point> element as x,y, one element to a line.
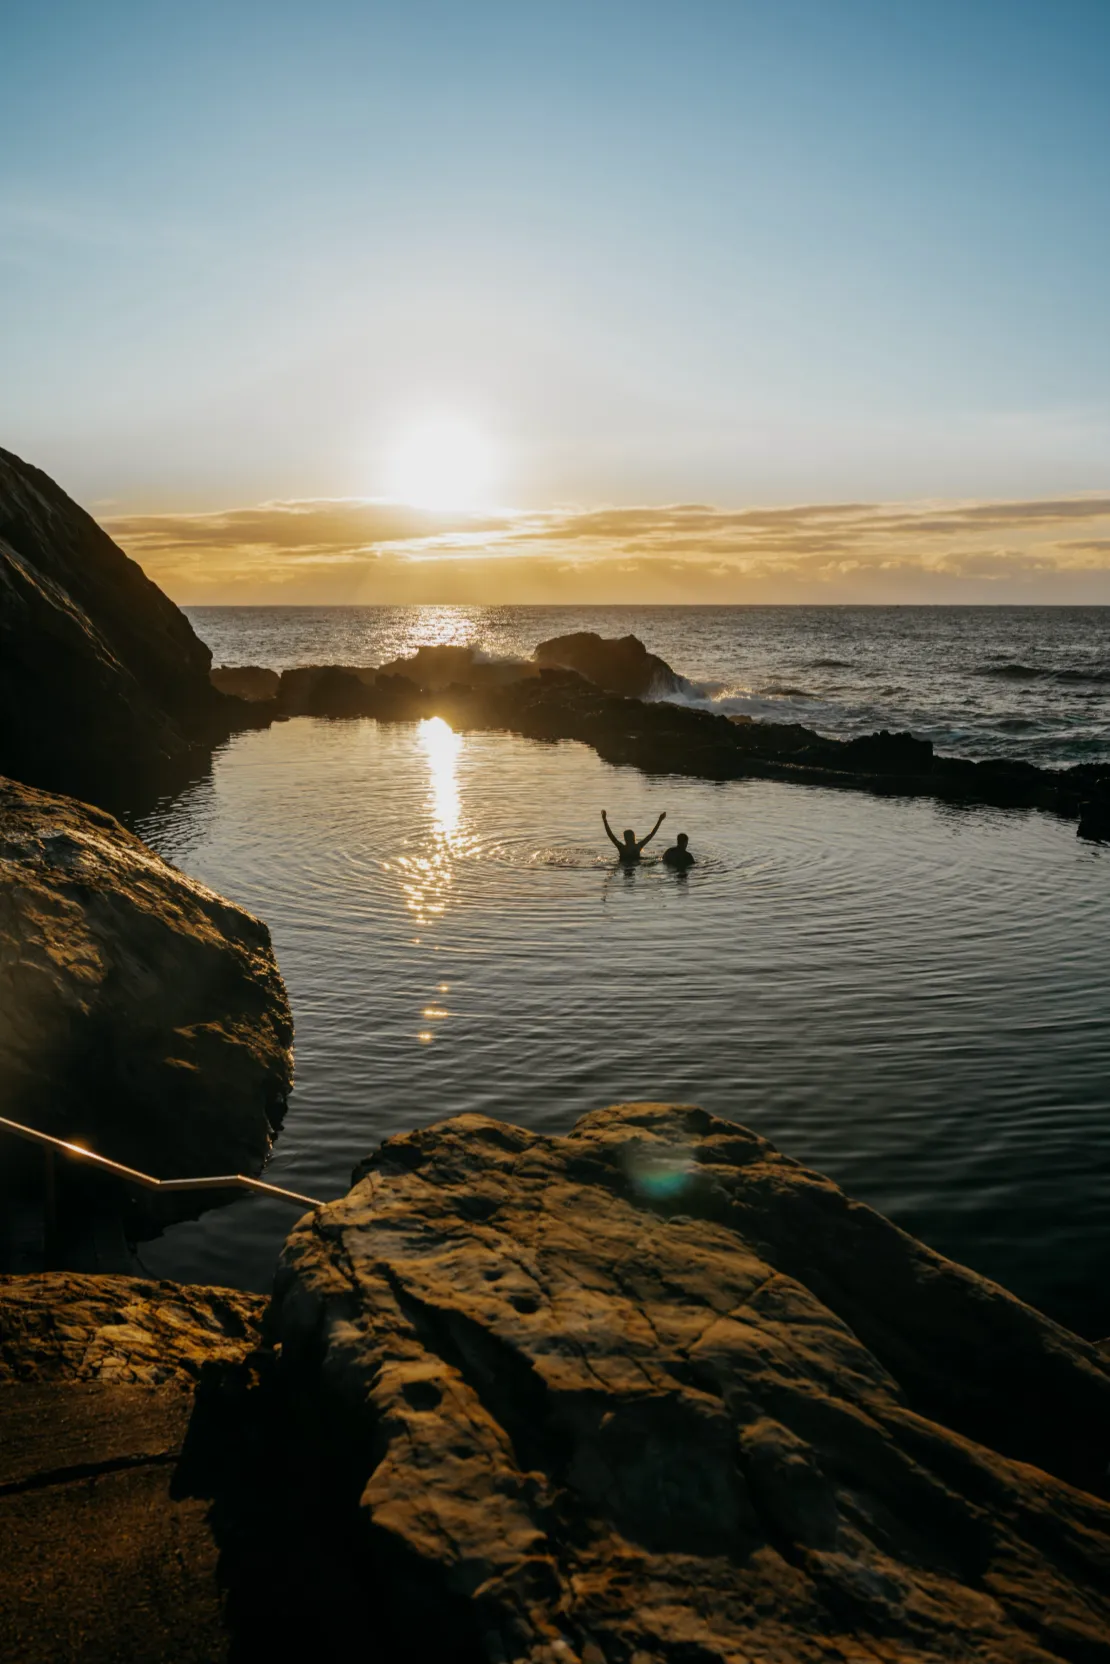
<point>441,746</point>
<point>427,872</point>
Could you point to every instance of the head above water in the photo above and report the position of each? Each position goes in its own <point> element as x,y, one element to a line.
<point>682,840</point>
<point>628,835</point>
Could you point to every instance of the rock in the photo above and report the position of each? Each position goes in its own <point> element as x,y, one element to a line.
<point>139,1012</point>
<point>653,1391</point>
<point>1094,815</point>
<point>334,690</point>
<point>887,753</point>
<point>619,665</point>
<point>100,674</point>
<point>62,1326</point>
<point>441,666</point>
<point>661,737</point>
<point>149,1507</point>
<point>248,681</point>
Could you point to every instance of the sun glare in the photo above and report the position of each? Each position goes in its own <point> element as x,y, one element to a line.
<point>442,463</point>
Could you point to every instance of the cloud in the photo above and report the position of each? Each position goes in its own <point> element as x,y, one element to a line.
<point>348,550</point>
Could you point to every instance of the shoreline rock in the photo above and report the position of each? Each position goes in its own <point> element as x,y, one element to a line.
<point>653,1390</point>
<point>659,737</point>
<point>619,665</point>
<point>140,1012</point>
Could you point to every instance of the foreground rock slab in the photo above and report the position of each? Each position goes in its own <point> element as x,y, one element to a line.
<point>139,1012</point>
<point>653,1391</point>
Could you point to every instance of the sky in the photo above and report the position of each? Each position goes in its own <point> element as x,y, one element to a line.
<point>726,300</point>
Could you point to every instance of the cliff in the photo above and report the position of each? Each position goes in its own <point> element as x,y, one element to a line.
<point>101,676</point>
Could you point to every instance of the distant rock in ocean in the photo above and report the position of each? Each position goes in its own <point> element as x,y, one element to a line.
<point>139,1012</point>
<point>619,665</point>
<point>100,674</point>
<point>652,1390</point>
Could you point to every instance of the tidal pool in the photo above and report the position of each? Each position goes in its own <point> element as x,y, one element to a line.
<point>905,995</point>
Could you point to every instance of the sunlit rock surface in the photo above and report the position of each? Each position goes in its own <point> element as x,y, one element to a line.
<point>139,1012</point>
<point>62,1326</point>
<point>653,1391</point>
<point>619,664</point>
<point>100,674</point>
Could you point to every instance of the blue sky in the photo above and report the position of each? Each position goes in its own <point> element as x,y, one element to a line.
<point>762,252</point>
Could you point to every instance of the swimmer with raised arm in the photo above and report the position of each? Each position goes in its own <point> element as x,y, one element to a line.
<point>628,850</point>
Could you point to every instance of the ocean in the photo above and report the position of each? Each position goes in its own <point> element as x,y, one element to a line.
<point>1032,682</point>
<point>909,996</point>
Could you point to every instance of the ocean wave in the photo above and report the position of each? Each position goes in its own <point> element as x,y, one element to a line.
<point>1012,672</point>
<point>1082,675</point>
<point>776,691</point>
<point>1016,672</point>
<point>830,664</point>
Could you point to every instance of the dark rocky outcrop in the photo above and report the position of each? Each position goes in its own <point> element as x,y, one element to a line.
<point>101,676</point>
<point>250,682</point>
<point>444,666</point>
<point>1094,814</point>
<point>662,737</point>
<point>620,664</point>
<point>139,1012</point>
<point>654,1391</point>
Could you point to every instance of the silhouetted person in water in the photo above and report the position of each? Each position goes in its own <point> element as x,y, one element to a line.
<point>628,852</point>
<point>678,855</point>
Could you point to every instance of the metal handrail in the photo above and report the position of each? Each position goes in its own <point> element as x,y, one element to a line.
<point>224,1182</point>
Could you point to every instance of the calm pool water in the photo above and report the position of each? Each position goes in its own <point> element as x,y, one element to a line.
<point>908,996</point>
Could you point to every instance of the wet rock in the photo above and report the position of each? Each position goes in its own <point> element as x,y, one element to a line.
<point>139,1012</point>
<point>619,664</point>
<point>887,753</point>
<point>248,681</point>
<point>654,1391</point>
<point>62,1326</point>
<point>662,737</point>
<point>333,690</point>
<point>1094,816</point>
<point>100,674</point>
<point>442,666</point>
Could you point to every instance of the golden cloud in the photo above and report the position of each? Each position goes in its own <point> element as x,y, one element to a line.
<point>344,551</point>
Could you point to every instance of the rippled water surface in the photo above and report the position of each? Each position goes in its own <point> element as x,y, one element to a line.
<point>908,996</point>
<point>1030,682</point>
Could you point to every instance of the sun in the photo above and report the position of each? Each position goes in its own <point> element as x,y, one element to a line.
<point>442,462</point>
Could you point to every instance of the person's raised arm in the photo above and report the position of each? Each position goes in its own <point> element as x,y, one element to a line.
<point>653,831</point>
<point>609,833</point>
